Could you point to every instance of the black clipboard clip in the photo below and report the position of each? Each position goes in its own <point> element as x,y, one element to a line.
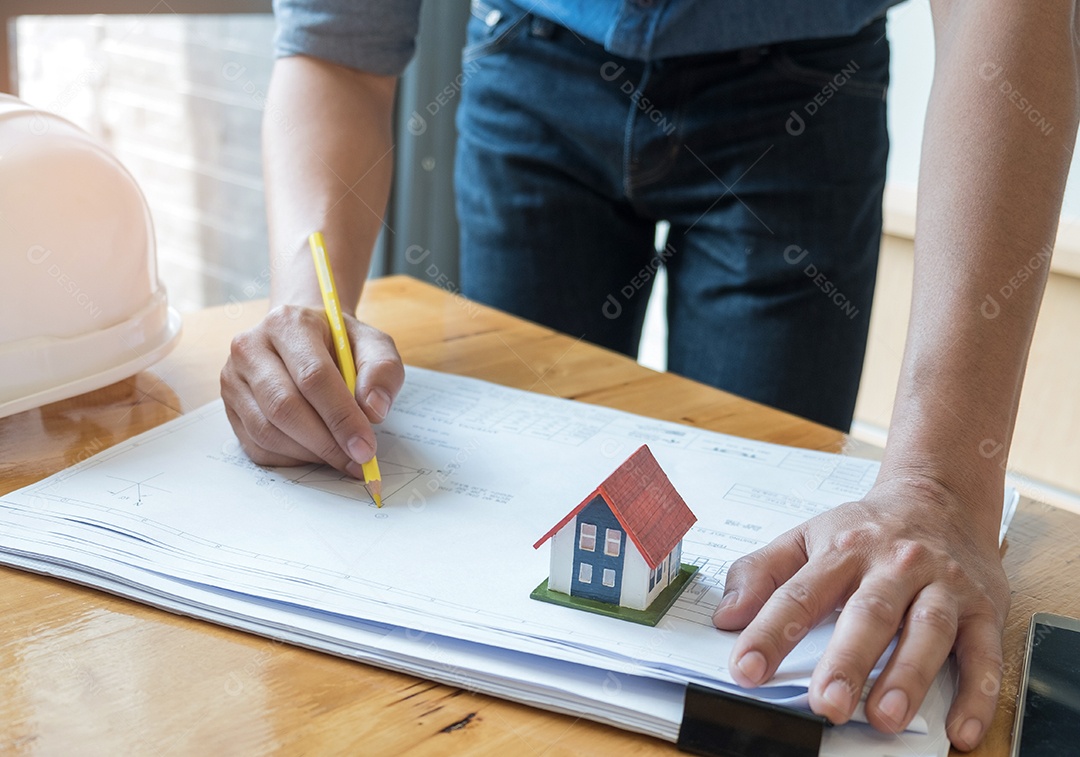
<point>721,724</point>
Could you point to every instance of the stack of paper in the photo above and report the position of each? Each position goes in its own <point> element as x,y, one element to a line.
<point>438,581</point>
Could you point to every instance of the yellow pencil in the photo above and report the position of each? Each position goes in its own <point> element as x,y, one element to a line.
<point>372,477</point>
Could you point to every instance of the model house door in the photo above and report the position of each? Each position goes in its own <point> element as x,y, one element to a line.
<point>599,545</point>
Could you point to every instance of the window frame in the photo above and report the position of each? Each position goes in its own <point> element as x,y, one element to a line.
<point>608,541</point>
<point>582,537</point>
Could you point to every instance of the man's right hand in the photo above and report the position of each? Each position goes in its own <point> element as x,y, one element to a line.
<point>327,164</point>
<point>287,401</point>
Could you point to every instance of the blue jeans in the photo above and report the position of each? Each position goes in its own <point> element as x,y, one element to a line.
<point>769,164</point>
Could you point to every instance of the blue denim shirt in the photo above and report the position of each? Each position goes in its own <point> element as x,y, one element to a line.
<point>379,36</point>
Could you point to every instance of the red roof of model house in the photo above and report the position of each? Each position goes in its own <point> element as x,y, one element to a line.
<point>643,500</point>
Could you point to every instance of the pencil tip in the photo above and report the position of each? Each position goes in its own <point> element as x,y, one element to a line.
<point>374,488</point>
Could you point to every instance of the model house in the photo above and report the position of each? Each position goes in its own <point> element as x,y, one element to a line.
<point>622,544</point>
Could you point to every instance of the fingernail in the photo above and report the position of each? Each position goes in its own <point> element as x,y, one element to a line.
<point>728,601</point>
<point>894,706</point>
<point>753,666</point>
<point>970,733</point>
<point>379,402</point>
<point>355,470</point>
<point>838,695</point>
<point>359,450</point>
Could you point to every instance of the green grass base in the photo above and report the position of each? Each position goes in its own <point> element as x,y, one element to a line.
<point>648,617</point>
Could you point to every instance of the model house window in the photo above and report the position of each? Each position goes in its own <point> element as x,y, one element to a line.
<point>658,574</point>
<point>612,542</point>
<point>584,574</point>
<point>609,577</point>
<point>653,578</point>
<point>587,540</point>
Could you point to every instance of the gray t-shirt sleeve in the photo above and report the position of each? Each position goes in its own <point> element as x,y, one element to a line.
<point>377,36</point>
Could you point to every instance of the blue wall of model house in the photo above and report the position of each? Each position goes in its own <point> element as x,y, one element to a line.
<point>597,513</point>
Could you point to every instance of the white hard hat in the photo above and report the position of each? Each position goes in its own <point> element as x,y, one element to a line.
<point>80,303</point>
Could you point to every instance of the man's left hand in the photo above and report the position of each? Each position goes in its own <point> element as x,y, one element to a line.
<point>906,558</point>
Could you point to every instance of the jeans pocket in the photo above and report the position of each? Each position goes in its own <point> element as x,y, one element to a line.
<point>491,28</point>
<point>856,65</point>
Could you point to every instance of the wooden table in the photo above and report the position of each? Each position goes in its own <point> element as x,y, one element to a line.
<point>83,672</point>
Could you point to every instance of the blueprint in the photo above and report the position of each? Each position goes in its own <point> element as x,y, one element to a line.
<point>473,474</point>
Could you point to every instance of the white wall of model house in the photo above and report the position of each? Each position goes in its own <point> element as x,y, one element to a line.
<point>562,557</point>
<point>635,592</point>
